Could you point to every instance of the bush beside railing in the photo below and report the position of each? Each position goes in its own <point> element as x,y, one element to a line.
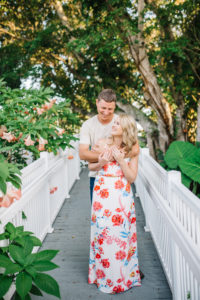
<point>172,216</point>
<point>46,183</point>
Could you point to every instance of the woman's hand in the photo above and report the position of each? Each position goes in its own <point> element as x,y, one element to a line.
<point>118,154</point>
<point>105,157</point>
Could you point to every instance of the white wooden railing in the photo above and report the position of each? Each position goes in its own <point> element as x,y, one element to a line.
<point>40,202</point>
<point>46,183</point>
<point>172,216</point>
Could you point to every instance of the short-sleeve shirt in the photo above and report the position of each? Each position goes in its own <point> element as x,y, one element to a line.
<point>92,131</point>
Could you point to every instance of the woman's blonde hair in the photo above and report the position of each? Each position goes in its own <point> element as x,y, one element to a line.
<point>129,128</point>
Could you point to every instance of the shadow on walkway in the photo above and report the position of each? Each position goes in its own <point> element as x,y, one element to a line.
<point>71,236</point>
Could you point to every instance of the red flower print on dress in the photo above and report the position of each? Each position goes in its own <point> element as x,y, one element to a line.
<point>96,188</point>
<point>104,193</point>
<point>128,187</point>
<point>118,289</point>
<point>101,250</point>
<point>107,213</point>
<point>105,167</point>
<point>120,255</point>
<point>132,274</point>
<point>97,206</point>
<point>119,280</point>
<point>133,220</point>
<point>129,283</point>
<point>100,274</point>
<point>101,180</point>
<point>119,184</point>
<point>100,241</point>
<point>105,263</point>
<point>134,237</point>
<point>118,209</point>
<point>113,163</point>
<point>109,282</point>
<point>94,218</point>
<point>98,256</point>
<point>117,220</point>
<point>131,252</point>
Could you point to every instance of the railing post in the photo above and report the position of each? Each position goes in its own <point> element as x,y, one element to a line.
<point>77,162</point>
<point>45,155</point>
<point>174,176</point>
<point>145,151</point>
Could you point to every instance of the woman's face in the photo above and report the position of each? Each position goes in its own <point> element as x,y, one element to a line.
<point>116,128</point>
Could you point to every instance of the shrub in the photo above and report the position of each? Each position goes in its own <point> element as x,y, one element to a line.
<point>19,266</point>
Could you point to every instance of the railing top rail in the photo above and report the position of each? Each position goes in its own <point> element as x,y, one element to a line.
<point>187,196</point>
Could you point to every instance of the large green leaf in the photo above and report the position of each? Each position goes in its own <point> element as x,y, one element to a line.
<point>31,271</point>
<point>29,259</point>
<point>3,186</point>
<point>179,150</point>
<point>5,283</point>
<point>23,284</point>
<point>3,236</point>
<point>17,254</point>
<point>10,228</point>
<point>4,172</point>
<point>4,261</point>
<point>35,291</point>
<point>47,284</point>
<point>28,245</point>
<point>12,269</point>
<point>191,168</point>
<point>46,255</point>
<point>44,266</point>
<point>36,241</point>
<point>186,180</point>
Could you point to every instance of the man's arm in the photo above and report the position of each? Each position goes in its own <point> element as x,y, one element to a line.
<point>86,154</point>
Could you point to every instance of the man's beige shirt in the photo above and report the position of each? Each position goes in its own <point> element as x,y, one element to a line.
<point>92,131</point>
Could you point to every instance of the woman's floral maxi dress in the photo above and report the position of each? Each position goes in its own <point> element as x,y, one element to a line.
<point>113,264</point>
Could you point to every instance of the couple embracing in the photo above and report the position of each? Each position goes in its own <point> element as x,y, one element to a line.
<point>109,143</point>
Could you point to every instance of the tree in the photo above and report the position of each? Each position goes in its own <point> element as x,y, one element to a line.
<point>148,51</point>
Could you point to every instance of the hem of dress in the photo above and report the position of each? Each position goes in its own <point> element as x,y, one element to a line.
<point>132,286</point>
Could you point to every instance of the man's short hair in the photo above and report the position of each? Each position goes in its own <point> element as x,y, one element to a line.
<point>107,95</point>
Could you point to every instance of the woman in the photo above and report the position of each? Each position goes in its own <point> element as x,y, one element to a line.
<point>113,262</point>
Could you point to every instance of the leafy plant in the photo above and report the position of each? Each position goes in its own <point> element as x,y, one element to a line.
<point>19,266</point>
<point>8,173</point>
<point>30,122</point>
<point>185,157</point>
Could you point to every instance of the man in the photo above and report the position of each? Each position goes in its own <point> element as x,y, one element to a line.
<point>98,127</point>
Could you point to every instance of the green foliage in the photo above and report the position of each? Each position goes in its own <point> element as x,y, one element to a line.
<point>22,267</point>
<point>92,50</point>
<point>185,157</point>
<point>23,114</point>
<point>8,173</point>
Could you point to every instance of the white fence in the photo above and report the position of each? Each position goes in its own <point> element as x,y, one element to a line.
<point>172,216</point>
<point>45,184</point>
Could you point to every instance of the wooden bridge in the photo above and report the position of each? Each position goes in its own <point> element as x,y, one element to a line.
<point>71,235</point>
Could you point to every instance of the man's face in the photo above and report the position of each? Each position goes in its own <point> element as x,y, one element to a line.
<point>105,110</point>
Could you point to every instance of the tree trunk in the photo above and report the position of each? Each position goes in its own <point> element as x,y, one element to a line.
<point>152,89</point>
<point>198,123</point>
